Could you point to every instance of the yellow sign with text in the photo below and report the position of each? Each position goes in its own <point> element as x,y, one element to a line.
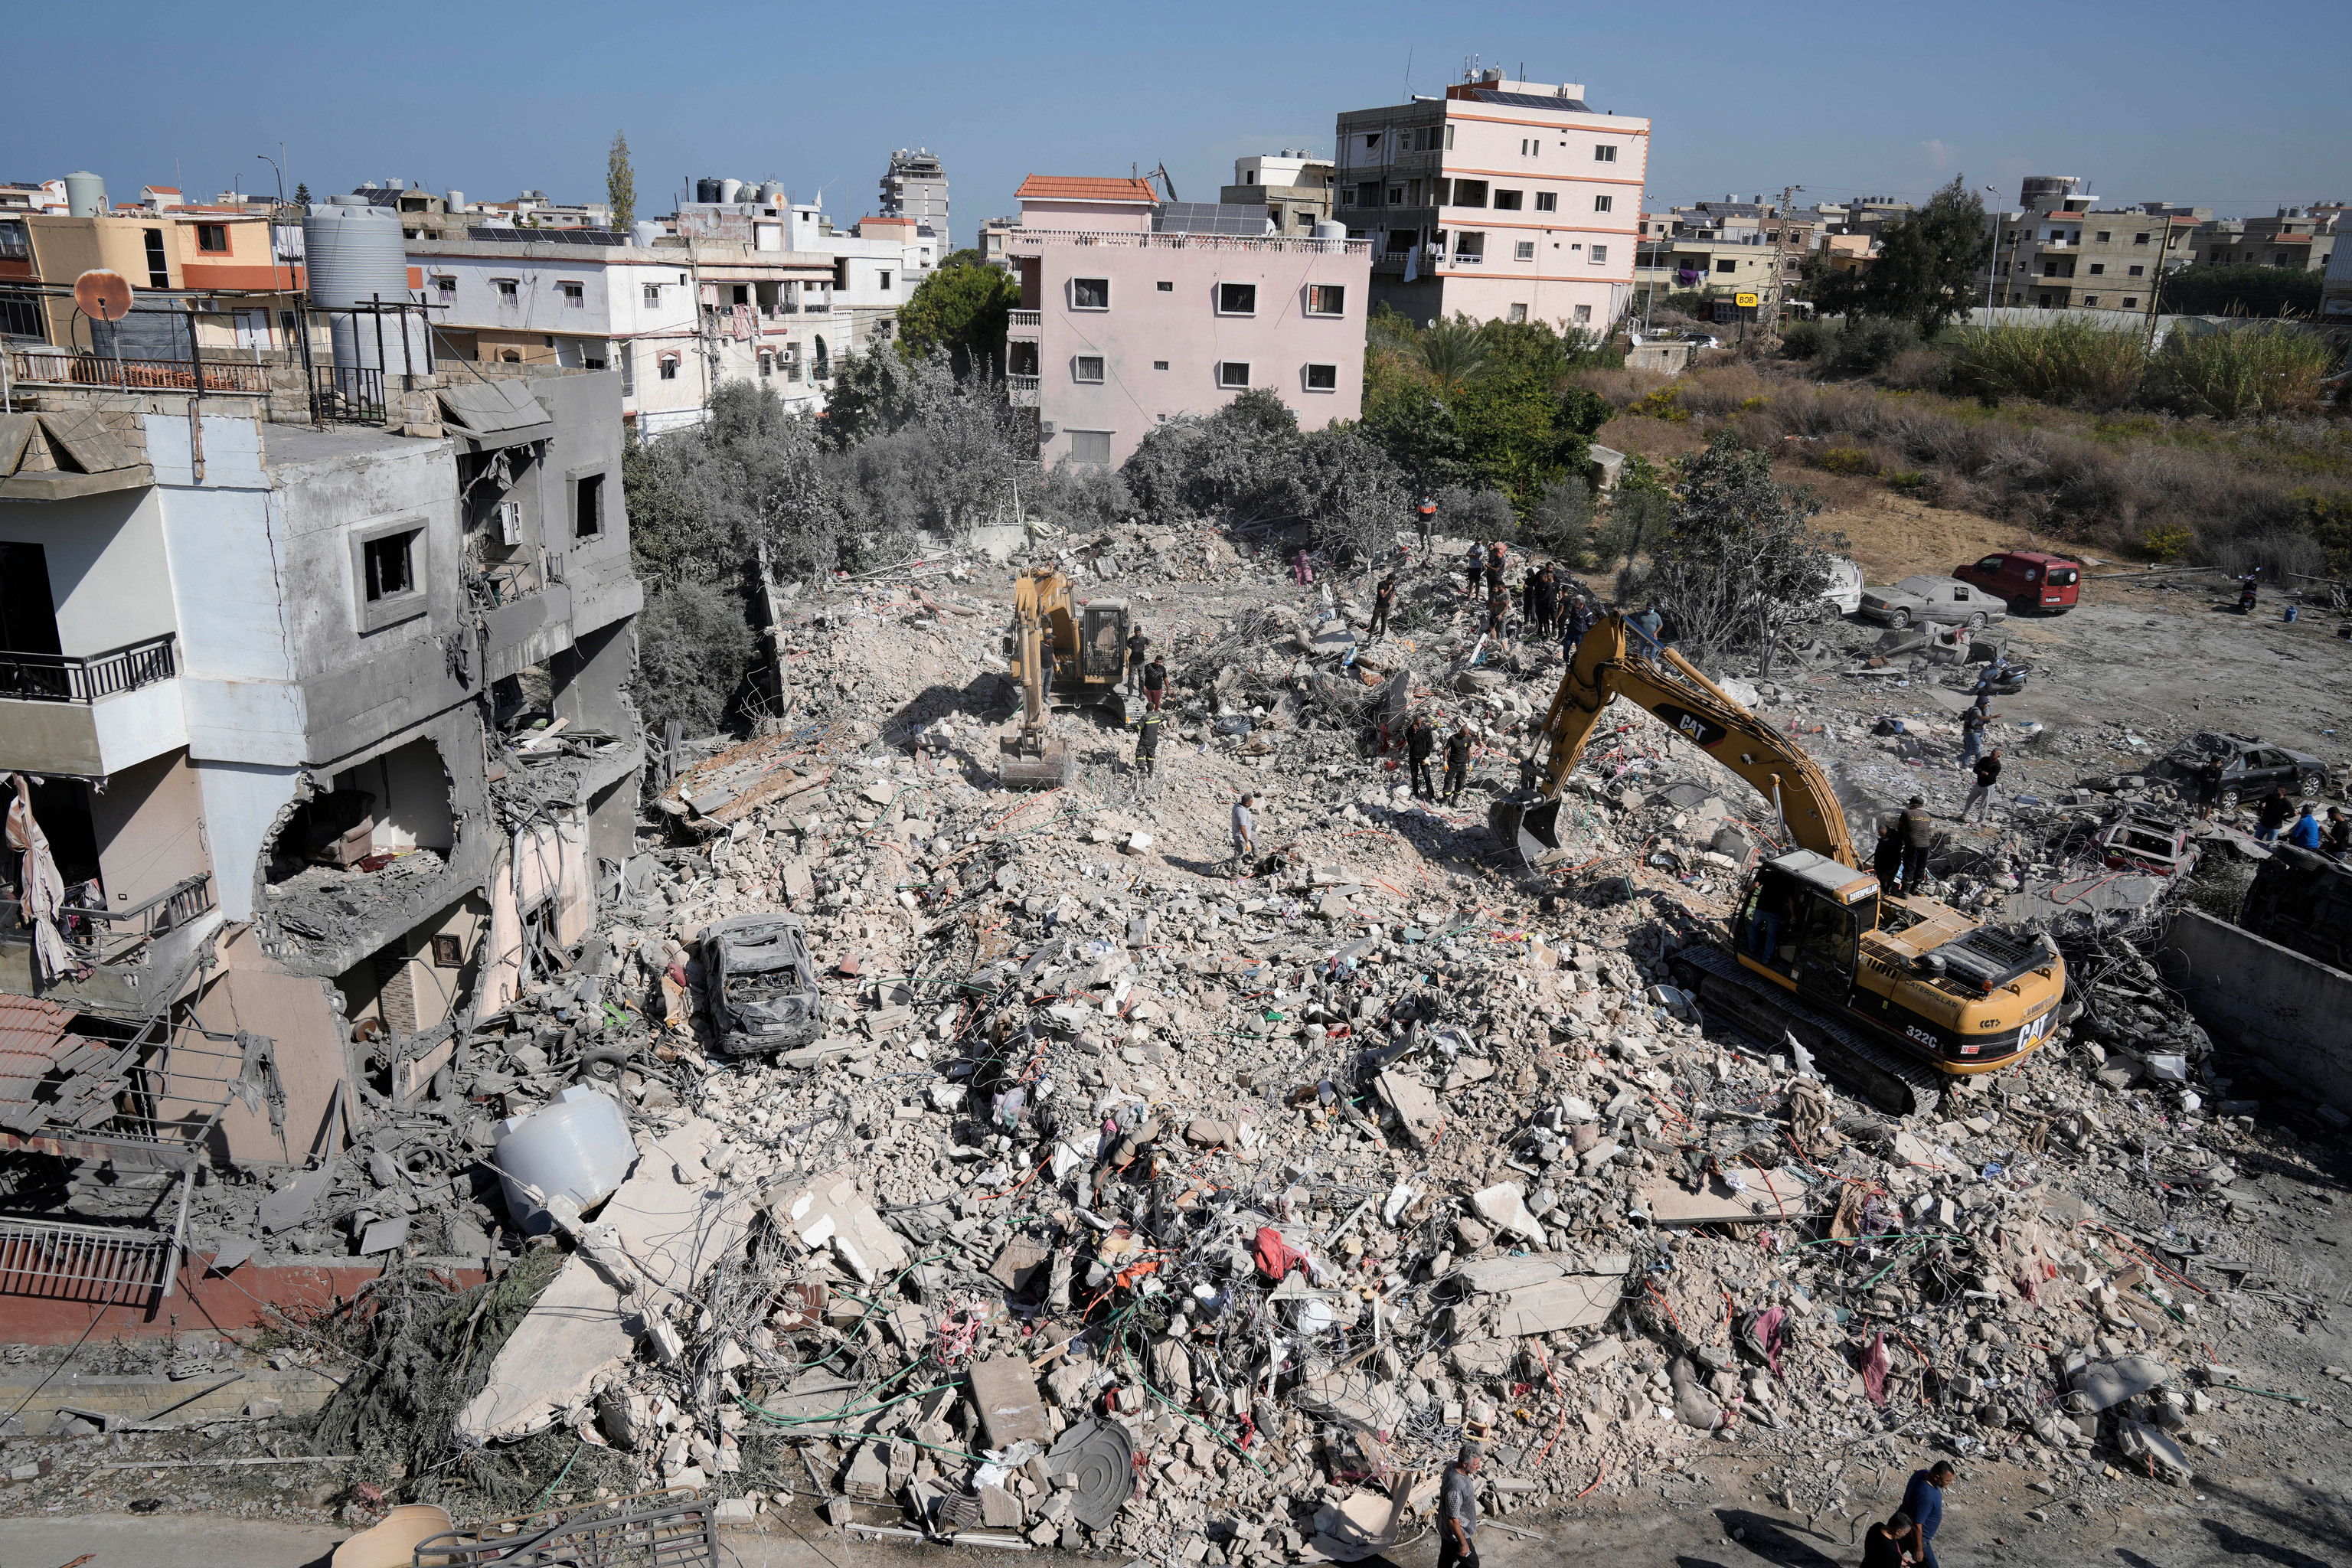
<point>1745,302</point>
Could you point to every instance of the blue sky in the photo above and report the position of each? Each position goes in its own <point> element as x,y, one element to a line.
<point>2243,111</point>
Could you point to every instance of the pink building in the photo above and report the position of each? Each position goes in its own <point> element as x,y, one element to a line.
<point>1503,201</point>
<point>1134,310</point>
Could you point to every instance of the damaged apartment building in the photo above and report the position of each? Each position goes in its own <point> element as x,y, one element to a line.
<point>313,726</point>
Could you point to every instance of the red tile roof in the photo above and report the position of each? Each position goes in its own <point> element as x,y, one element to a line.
<point>1086,188</point>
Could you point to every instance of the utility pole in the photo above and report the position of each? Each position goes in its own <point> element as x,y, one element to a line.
<point>1780,256</point>
<point>2156,281</point>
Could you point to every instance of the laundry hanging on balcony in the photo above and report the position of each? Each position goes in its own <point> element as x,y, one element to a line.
<point>44,889</point>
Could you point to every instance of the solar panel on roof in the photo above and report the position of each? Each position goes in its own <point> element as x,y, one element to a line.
<point>1210,218</point>
<point>501,234</point>
<point>1533,101</point>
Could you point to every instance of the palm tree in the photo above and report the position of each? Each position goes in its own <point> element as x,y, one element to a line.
<point>1453,352</point>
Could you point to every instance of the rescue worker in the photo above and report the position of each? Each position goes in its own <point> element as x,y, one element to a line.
<point>1146,746</point>
<point>1457,760</point>
<point>1419,743</point>
<point>1426,513</point>
<point>1887,861</point>
<point>1987,770</point>
<point>1136,643</point>
<point>1384,600</point>
<point>1919,833</point>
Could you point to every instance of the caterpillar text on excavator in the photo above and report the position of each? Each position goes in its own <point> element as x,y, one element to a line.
<point>1057,649</point>
<point>1891,992</point>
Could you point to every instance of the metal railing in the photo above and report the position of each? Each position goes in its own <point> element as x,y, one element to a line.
<point>61,677</point>
<point>347,393</point>
<point>81,1262</point>
<point>1033,238</point>
<point>75,367</point>
<point>109,935</point>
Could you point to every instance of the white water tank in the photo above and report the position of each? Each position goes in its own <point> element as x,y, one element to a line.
<point>731,191</point>
<point>352,253</point>
<point>642,233</point>
<point>453,200</point>
<point>1327,229</point>
<point>85,193</point>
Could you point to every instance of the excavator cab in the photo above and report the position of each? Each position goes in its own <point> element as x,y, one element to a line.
<point>1102,642</point>
<point>1802,920</point>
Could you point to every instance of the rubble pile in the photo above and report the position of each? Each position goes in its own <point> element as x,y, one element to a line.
<point>1116,1203</point>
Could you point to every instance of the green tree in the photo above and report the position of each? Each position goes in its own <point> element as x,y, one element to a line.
<point>962,306</point>
<point>2241,291</point>
<point>1929,266</point>
<point>301,193</point>
<point>621,183</point>
<point>1739,560</point>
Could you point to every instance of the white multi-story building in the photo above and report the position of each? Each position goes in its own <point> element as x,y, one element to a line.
<point>916,186</point>
<point>1502,200</point>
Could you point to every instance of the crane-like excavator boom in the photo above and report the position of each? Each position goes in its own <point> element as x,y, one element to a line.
<point>1615,660</point>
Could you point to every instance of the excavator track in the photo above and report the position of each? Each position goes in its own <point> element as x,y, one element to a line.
<point>1764,1013</point>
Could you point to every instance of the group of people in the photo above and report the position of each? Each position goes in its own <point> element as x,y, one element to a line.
<point>2278,821</point>
<point>1907,1539</point>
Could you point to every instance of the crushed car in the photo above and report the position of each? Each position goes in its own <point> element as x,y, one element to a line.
<point>1947,601</point>
<point>761,984</point>
<point>2250,768</point>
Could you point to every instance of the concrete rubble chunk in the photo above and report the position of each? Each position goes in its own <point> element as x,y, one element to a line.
<point>1003,1393</point>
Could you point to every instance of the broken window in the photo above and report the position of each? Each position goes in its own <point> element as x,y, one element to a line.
<point>588,508</point>
<point>390,566</point>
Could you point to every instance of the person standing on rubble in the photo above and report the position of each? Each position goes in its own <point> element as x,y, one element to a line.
<point>1136,644</point>
<point>1302,569</point>
<point>1919,833</point>
<point>1887,859</point>
<point>1457,760</point>
<point>1498,611</point>
<point>1649,624</point>
<point>2339,832</point>
<point>1458,1511</point>
<point>1244,835</point>
<point>1426,514</point>
<point>1419,743</point>
<point>1384,600</point>
<point>1972,734</point>
<point>1155,682</point>
<point>1147,745</point>
<point>1474,567</point>
<point>2275,811</point>
<point>1922,1499</point>
<point>1988,770</point>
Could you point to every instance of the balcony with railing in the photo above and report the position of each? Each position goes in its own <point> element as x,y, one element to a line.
<point>1030,240</point>
<point>93,715</point>
<point>80,367</point>
<point>1021,391</point>
<point>1024,323</point>
<point>121,957</point>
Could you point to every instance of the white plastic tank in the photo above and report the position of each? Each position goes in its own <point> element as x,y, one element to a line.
<point>771,191</point>
<point>1327,229</point>
<point>643,233</point>
<point>731,191</point>
<point>453,200</point>
<point>354,255</point>
<point>577,1144</point>
<point>85,193</point>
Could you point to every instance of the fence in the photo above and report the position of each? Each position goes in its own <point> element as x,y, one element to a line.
<point>347,393</point>
<point>76,367</point>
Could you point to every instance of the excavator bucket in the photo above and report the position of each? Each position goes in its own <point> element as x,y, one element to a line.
<point>1531,827</point>
<point>1053,769</point>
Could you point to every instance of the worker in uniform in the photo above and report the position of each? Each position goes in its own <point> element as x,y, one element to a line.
<point>1384,600</point>
<point>1146,746</point>
<point>1919,833</point>
<point>1457,760</point>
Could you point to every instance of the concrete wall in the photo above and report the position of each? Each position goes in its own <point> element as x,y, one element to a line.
<point>2293,1013</point>
<point>1182,327</point>
<point>149,826</point>
<point>107,577</point>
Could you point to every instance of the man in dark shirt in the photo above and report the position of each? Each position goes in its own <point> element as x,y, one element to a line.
<point>1135,643</point>
<point>1457,760</point>
<point>1419,743</point>
<point>1972,734</point>
<point>1888,859</point>
<point>1498,611</point>
<point>1384,600</point>
<point>1922,1499</point>
<point>1155,682</point>
<point>2209,786</point>
<point>1918,832</point>
<point>1474,567</point>
<point>1882,1544</point>
<point>2339,833</point>
<point>1458,1511</point>
<point>2276,812</point>
<point>1987,774</point>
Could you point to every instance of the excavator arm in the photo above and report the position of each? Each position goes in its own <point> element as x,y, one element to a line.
<point>1614,661</point>
<point>1035,759</point>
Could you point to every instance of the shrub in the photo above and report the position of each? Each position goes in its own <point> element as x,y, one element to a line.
<point>1907,479</point>
<point>1476,514</point>
<point>1870,343</point>
<point>1806,339</point>
<point>1847,461</point>
<point>2168,541</point>
<point>2261,370</point>
<point>1562,520</point>
<point>1663,404</point>
<point>693,643</point>
<point>2064,362</point>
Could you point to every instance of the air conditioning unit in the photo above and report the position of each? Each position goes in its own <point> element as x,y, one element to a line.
<point>510,522</point>
<point>1046,429</point>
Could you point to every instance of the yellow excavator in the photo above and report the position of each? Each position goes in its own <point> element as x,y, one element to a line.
<point>1891,992</point>
<point>1059,651</point>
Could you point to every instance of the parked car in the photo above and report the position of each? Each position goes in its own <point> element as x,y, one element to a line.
<point>1944,600</point>
<point>760,985</point>
<point>2027,581</point>
<point>2249,769</point>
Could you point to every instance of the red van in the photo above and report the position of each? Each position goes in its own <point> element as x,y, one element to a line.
<point>2030,580</point>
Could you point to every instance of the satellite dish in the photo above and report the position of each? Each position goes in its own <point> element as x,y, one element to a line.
<point>103,296</point>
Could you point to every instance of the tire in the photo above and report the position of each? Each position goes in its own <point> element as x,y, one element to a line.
<point>1899,619</point>
<point>2308,786</point>
<point>1976,622</point>
<point>2227,800</point>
